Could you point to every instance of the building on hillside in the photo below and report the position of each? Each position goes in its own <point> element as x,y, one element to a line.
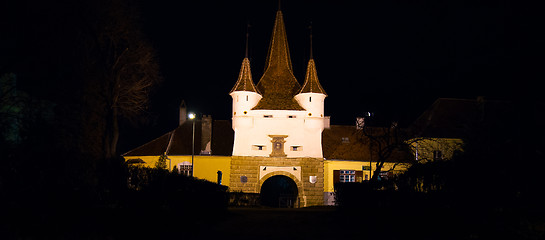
<point>439,133</point>
<point>280,143</point>
<point>446,126</point>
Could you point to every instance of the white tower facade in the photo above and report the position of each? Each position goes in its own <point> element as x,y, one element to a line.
<point>278,118</point>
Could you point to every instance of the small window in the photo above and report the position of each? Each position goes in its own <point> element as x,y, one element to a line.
<point>292,116</point>
<point>185,168</point>
<point>345,140</point>
<point>258,147</point>
<point>296,148</point>
<point>246,98</point>
<point>309,99</point>
<point>267,116</point>
<point>347,176</point>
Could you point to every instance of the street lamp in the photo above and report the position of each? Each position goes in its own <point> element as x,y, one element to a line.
<point>192,117</point>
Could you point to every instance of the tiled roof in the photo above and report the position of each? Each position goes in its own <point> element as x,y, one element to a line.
<point>342,143</point>
<point>312,85</point>
<point>154,147</point>
<point>222,138</point>
<point>245,82</point>
<point>179,141</point>
<point>457,118</point>
<point>278,85</point>
<point>347,143</point>
<point>182,139</point>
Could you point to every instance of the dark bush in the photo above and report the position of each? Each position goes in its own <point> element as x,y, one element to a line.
<point>240,199</point>
<point>161,188</point>
<point>374,195</point>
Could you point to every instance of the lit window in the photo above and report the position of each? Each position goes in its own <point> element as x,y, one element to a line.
<point>185,168</point>
<point>296,148</point>
<point>345,140</point>
<point>347,176</point>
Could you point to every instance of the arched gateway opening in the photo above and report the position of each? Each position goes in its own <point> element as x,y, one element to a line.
<point>279,191</point>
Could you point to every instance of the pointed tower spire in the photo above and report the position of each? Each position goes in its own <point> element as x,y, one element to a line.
<point>245,82</point>
<point>278,84</point>
<point>312,85</point>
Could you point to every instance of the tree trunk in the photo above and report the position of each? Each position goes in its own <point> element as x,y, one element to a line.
<point>111,135</point>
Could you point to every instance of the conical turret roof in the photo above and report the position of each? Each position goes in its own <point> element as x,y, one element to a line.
<point>245,82</point>
<point>278,85</point>
<point>312,85</point>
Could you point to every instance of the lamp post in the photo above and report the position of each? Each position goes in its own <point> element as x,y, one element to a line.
<point>192,117</point>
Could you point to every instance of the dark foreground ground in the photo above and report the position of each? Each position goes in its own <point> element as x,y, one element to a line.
<point>268,223</point>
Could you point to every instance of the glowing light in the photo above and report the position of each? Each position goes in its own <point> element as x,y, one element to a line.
<point>191,116</point>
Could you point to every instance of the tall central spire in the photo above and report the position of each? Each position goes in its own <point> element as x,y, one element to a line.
<point>278,84</point>
<point>279,53</point>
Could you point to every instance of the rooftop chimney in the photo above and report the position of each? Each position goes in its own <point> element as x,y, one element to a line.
<point>183,113</point>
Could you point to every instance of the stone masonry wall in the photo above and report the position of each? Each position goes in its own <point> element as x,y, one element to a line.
<point>310,194</point>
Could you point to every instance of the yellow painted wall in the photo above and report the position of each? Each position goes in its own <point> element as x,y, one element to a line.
<point>331,165</point>
<point>205,167</point>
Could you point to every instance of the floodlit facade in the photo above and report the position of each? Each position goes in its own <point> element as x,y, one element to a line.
<point>278,118</point>
<point>279,142</point>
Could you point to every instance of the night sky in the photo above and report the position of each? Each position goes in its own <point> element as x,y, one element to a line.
<point>393,58</point>
<point>389,57</point>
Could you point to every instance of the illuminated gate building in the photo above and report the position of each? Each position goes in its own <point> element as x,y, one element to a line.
<point>277,127</point>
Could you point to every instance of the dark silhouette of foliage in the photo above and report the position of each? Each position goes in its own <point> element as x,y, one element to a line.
<point>389,143</point>
<point>160,187</point>
<point>162,162</point>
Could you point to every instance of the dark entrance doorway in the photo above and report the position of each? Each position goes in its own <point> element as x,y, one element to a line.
<point>279,191</point>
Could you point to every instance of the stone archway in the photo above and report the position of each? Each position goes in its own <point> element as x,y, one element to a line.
<point>279,191</point>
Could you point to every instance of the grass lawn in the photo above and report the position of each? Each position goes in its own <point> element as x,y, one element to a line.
<point>269,223</point>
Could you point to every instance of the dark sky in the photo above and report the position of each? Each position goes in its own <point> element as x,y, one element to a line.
<point>393,58</point>
<point>390,57</point>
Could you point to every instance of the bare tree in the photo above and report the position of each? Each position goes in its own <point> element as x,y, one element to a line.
<point>385,143</point>
<point>120,68</point>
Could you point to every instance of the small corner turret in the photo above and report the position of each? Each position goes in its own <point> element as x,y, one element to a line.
<point>312,95</point>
